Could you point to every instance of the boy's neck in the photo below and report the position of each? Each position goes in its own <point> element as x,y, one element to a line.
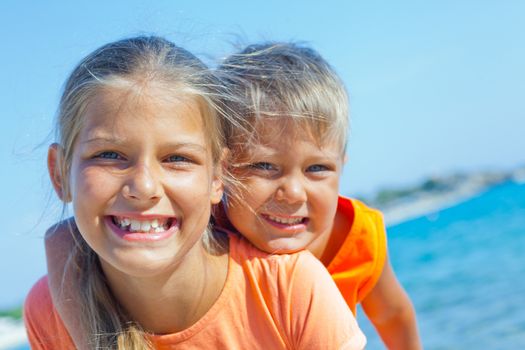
<point>326,246</point>
<point>173,301</point>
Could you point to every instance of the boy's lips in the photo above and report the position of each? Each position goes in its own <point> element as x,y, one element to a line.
<point>286,222</point>
<point>142,228</point>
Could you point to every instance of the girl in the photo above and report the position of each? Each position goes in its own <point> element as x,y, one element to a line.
<point>139,157</point>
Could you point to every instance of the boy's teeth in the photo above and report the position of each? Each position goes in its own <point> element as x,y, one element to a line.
<point>143,226</point>
<point>287,221</point>
<point>154,223</point>
<point>135,225</point>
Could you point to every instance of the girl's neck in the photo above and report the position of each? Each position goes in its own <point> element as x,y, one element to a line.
<point>174,300</point>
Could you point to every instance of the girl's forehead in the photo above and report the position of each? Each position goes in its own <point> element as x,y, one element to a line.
<point>115,110</point>
<point>138,97</point>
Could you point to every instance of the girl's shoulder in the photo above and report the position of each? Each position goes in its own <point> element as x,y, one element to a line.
<point>283,271</point>
<point>242,250</point>
<point>38,301</point>
<point>44,327</point>
<point>300,294</point>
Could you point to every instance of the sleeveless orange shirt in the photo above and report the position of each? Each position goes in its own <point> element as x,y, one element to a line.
<point>358,264</point>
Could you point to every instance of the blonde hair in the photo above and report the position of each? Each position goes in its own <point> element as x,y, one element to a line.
<point>286,80</point>
<point>130,61</point>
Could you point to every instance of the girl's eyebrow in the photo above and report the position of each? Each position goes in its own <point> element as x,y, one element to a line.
<point>168,145</point>
<point>104,139</point>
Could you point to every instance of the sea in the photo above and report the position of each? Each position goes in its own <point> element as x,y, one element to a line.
<point>464,269</point>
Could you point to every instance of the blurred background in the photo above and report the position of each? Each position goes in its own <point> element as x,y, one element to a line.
<point>437,122</point>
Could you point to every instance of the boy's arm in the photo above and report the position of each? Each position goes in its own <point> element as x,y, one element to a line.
<point>62,279</point>
<point>391,312</point>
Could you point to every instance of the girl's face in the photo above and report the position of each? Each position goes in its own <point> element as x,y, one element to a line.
<point>142,179</point>
<point>289,187</point>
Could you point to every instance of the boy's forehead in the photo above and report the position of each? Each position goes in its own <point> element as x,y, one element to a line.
<point>269,130</point>
<point>284,133</point>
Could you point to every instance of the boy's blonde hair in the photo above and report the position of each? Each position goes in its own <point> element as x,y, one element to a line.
<point>276,80</point>
<point>129,63</point>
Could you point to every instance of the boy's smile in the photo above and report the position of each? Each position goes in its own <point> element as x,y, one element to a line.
<point>288,190</point>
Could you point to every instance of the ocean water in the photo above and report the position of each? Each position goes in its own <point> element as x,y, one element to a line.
<point>464,269</point>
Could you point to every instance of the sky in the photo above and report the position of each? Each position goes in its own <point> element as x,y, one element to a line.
<point>435,87</point>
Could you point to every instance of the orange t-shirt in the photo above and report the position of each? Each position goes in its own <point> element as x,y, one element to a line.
<point>268,302</point>
<point>359,261</point>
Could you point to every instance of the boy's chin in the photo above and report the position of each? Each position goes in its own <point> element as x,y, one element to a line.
<point>282,245</point>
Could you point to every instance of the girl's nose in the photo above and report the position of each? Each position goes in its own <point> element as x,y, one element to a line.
<point>292,190</point>
<point>142,184</point>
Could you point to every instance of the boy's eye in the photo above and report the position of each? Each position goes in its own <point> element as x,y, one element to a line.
<point>176,158</point>
<point>263,166</point>
<point>317,167</point>
<point>108,155</point>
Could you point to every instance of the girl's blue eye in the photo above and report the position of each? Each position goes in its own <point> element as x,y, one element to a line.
<point>317,167</point>
<point>262,166</point>
<point>108,155</point>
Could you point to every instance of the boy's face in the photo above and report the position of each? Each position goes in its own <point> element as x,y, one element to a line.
<point>288,187</point>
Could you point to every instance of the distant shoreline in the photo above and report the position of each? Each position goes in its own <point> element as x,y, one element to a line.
<point>437,193</point>
<point>428,205</point>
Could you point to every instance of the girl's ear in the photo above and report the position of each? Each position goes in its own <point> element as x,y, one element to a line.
<point>217,185</point>
<point>54,161</point>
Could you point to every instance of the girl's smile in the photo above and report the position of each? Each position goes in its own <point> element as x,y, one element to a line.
<point>142,230</point>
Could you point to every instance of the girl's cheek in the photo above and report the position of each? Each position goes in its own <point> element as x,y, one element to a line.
<point>94,183</point>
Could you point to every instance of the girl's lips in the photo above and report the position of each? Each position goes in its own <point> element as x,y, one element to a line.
<point>150,236</point>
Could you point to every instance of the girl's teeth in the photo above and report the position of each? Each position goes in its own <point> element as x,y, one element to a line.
<point>145,226</point>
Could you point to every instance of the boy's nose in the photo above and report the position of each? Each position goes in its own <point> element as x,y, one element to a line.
<point>142,184</point>
<point>292,190</point>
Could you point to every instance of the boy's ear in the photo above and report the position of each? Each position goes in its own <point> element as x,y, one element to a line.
<point>54,167</point>
<point>217,185</point>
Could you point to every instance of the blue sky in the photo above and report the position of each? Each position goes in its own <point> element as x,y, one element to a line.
<point>435,86</point>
